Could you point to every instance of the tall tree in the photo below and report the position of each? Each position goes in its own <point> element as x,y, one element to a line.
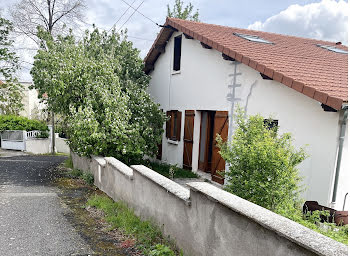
<point>10,90</point>
<point>99,85</point>
<point>183,12</point>
<point>51,15</point>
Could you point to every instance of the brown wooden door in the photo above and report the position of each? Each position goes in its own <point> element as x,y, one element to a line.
<point>220,127</point>
<point>188,139</point>
<point>206,139</point>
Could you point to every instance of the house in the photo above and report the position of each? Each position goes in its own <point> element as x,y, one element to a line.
<point>32,107</point>
<point>201,72</point>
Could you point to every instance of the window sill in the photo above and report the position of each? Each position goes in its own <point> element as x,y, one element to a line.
<point>176,72</point>
<point>174,142</point>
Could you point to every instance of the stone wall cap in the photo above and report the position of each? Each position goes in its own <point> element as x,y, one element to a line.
<point>100,160</point>
<point>120,166</point>
<point>169,185</point>
<point>284,227</point>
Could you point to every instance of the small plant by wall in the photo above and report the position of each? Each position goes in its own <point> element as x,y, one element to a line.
<point>170,171</point>
<point>87,177</point>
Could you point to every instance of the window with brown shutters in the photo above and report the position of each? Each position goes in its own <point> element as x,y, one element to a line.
<point>173,125</point>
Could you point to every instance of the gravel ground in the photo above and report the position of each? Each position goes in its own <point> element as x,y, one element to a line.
<point>32,219</point>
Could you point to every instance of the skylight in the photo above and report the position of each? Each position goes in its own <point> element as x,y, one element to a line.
<point>253,38</point>
<point>332,48</point>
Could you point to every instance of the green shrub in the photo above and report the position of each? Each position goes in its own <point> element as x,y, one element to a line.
<point>69,163</point>
<point>88,178</point>
<point>263,170</point>
<point>8,122</point>
<point>75,173</point>
<point>262,164</point>
<point>43,135</point>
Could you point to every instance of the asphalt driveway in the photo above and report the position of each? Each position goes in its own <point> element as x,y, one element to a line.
<point>32,219</point>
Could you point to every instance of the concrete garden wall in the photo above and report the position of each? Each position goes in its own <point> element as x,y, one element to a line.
<point>43,146</point>
<point>204,220</point>
<point>38,146</point>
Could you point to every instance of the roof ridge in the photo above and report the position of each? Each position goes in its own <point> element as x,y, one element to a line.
<point>259,31</point>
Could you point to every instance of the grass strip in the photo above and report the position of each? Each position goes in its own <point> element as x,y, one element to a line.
<point>149,237</point>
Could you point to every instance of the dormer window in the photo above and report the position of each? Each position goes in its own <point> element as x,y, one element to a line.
<point>177,53</point>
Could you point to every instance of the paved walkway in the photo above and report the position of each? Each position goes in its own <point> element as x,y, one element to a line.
<point>203,177</point>
<point>10,153</point>
<point>32,220</point>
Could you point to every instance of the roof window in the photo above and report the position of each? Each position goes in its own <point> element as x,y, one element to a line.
<point>332,48</point>
<point>253,38</point>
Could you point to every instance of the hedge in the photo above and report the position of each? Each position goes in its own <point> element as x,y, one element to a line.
<point>9,122</point>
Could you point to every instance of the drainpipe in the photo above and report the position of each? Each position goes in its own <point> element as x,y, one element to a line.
<point>340,152</point>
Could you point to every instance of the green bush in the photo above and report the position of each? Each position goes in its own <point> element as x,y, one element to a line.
<point>8,122</point>
<point>262,164</point>
<point>43,135</point>
<point>88,178</point>
<point>263,170</point>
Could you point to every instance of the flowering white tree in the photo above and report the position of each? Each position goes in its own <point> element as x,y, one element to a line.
<point>99,85</point>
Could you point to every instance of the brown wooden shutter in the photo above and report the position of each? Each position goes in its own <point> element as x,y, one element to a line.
<point>168,125</point>
<point>188,139</point>
<point>178,126</point>
<point>220,127</point>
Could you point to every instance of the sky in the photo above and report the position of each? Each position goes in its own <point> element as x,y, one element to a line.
<point>325,19</point>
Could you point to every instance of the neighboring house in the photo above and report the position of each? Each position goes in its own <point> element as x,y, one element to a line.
<point>201,72</point>
<point>32,107</point>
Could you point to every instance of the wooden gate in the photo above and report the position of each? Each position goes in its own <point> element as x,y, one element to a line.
<point>220,127</point>
<point>188,139</point>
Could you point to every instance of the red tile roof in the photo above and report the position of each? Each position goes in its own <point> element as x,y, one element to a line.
<point>295,62</point>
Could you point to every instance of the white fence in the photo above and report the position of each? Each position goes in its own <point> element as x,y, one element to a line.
<point>33,134</point>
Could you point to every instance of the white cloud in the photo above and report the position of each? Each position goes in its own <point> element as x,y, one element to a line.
<point>326,20</point>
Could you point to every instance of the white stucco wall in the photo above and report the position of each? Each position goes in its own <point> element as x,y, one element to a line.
<point>207,82</point>
<point>62,145</point>
<point>38,146</point>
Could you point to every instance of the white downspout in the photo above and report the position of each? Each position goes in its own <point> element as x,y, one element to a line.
<point>340,152</point>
